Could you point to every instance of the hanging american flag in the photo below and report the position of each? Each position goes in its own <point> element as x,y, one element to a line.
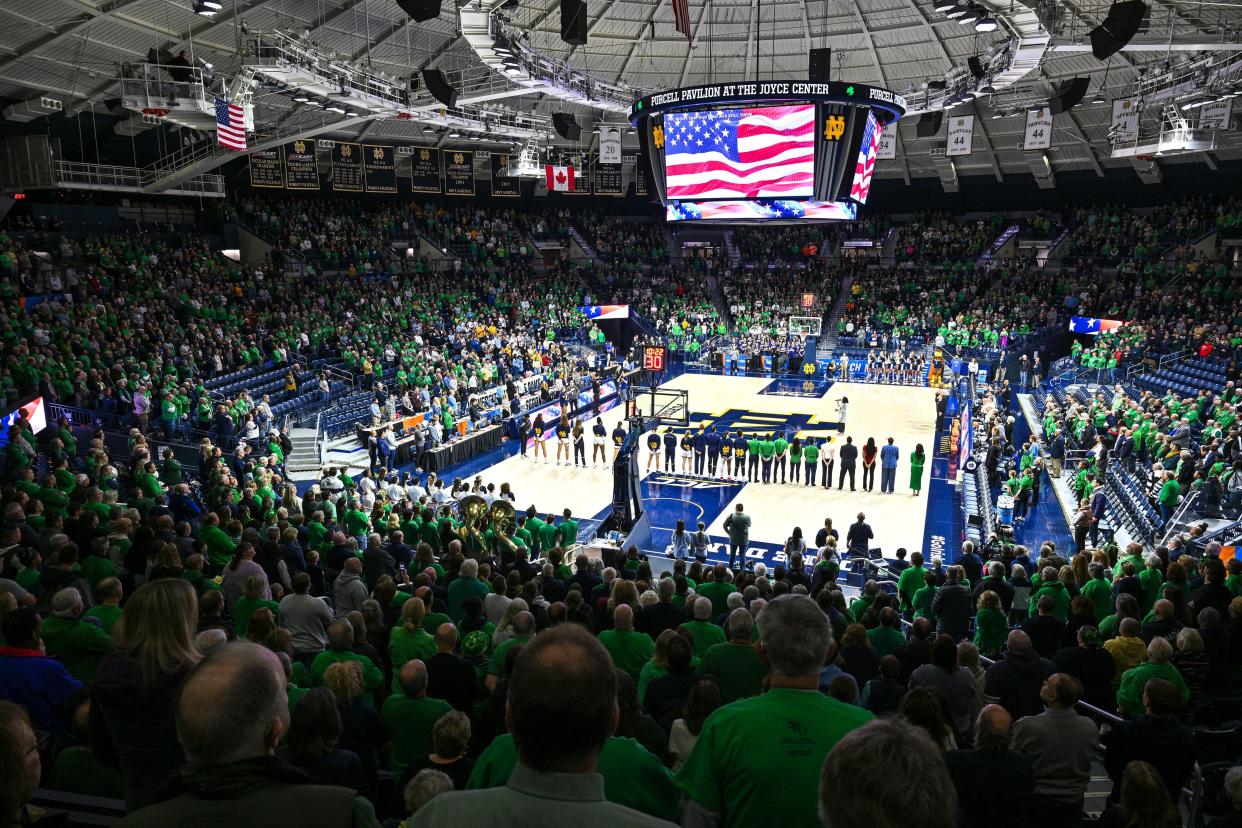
<point>741,153</point>
<point>681,17</point>
<point>865,168</point>
<point>230,125</point>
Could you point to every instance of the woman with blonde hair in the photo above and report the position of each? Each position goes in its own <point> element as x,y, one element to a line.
<point>504,628</point>
<point>624,592</point>
<point>137,683</point>
<point>362,731</point>
<point>1145,801</point>
<point>409,641</point>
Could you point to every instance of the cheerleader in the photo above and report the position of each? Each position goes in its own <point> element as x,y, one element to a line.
<point>563,427</point>
<point>540,438</point>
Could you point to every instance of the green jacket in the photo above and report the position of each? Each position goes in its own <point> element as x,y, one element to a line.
<point>78,645</point>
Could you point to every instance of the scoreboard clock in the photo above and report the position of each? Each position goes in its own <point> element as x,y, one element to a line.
<point>654,357</point>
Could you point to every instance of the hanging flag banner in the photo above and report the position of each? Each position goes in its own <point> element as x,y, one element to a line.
<point>347,168</point>
<point>610,145</point>
<point>458,172</point>
<point>425,170</point>
<point>380,169</point>
<point>558,178</point>
<point>301,169</point>
<point>888,145</point>
<point>503,184</point>
<point>961,135</point>
<point>1038,130</point>
<point>1124,127</point>
<point>1216,115</point>
<point>266,169</point>
<point>608,179</point>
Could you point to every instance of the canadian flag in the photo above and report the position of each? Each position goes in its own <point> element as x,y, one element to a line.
<point>559,178</point>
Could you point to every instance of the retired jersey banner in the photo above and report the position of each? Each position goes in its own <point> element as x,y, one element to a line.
<point>641,172</point>
<point>608,179</point>
<point>347,167</point>
<point>503,184</point>
<point>458,172</point>
<point>888,145</point>
<point>606,311</point>
<point>1124,127</point>
<point>379,166</point>
<point>1216,115</point>
<point>961,135</point>
<point>610,145</point>
<point>301,168</point>
<point>266,169</point>
<point>1038,130</point>
<point>425,170</point>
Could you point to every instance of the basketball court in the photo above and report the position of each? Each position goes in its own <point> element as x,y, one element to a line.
<point>822,409</point>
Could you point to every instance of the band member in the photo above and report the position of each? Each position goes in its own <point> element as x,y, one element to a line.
<point>618,438</point>
<point>599,438</point>
<point>563,428</point>
<point>579,435</point>
<point>540,437</point>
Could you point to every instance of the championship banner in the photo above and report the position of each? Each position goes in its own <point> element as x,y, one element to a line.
<point>425,170</point>
<point>608,179</point>
<point>1038,130</point>
<point>610,145</point>
<point>606,311</point>
<point>379,169</point>
<point>458,172</point>
<point>266,169</point>
<point>888,145</point>
<point>640,175</point>
<point>347,168</point>
<point>503,184</point>
<point>1216,115</point>
<point>1124,127</point>
<point>582,184</point>
<point>961,135</point>
<point>301,168</point>
<point>1092,326</point>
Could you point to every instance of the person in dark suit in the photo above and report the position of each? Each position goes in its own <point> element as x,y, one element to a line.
<point>1156,737</point>
<point>994,783</point>
<point>848,455</point>
<point>663,614</point>
<point>1045,629</point>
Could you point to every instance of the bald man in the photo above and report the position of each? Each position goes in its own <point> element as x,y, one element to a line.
<point>410,715</point>
<point>994,783</point>
<point>231,715</point>
<point>629,649</point>
<point>449,676</point>
<point>1062,745</point>
<point>1164,624</point>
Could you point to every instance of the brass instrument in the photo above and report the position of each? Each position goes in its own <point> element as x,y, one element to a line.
<point>472,508</point>
<point>502,516</point>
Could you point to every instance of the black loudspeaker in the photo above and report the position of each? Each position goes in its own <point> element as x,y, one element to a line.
<point>976,66</point>
<point>574,22</point>
<point>566,126</point>
<point>819,65</point>
<point>420,10</point>
<point>928,125</point>
<point>1122,24</point>
<point>1068,95</point>
<point>440,88</point>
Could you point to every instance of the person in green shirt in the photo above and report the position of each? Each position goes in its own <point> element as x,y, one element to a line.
<point>340,639</point>
<point>1170,493</point>
<point>250,602</point>
<point>775,741</point>
<point>630,650</point>
<point>781,448</point>
<point>991,625</point>
<point>911,580</point>
<point>810,459</point>
<point>107,611</point>
<point>701,627</point>
<point>410,641</point>
<point>767,451</point>
<point>1157,666</point>
<point>717,590</point>
<point>78,644</point>
<point>523,629</point>
<point>886,638</point>
<point>1098,591</point>
<point>409,715</point>
<point>735,665</point>
<point>567,531</point>
<point>549,534</point>
<point>752,459</point>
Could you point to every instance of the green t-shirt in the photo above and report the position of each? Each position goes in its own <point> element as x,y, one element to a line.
<point>244,608</point>
<point>752,446</point>
<point>736,668</point>
<point>718,593</point>
<point>409,722</point>
<point>632,776</point>
<point>107,615</point>
<point>781,445</point>
<point>753,747</point>
<point>406,646</point>
<point>766,449</point>
<point>496,665</point>
<point>705,635</point>
<point>810,453</point>
<point>886,640</point>
<point>629,649</point>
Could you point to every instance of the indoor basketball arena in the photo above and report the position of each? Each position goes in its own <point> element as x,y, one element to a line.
<point>623,412</point>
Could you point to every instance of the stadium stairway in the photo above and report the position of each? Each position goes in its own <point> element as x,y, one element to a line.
<point>303,463</point>
<point>999,242</point>
<point>581,241</point>
<point>722,304</point>
<point>734,254</point>
<point>828,337</point>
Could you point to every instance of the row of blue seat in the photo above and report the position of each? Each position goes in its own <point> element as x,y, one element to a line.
<point>1141,515</point>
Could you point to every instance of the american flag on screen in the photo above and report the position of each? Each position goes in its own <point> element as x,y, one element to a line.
<point>863,170</point>
<point>681,17</point>
<point>230,125</point>
<point>741,153</point>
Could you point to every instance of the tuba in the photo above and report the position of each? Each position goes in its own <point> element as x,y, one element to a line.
<point>501,516</point>
<point>471,509</point>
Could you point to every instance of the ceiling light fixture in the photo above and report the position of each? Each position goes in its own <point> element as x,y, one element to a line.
<point>942,6</point>
<point>987,23</point>
<point>958,10</point>
<point>207,8</point>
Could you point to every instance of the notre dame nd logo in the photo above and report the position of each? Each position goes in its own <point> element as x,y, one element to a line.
<point>346,150</point>
<point>657,135</point>
<point>378,153</point>
<point>424,155</point>
<point>299,147</point>
<point>834,127</point>
<point>504,161</point>
<point>459,158</point>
